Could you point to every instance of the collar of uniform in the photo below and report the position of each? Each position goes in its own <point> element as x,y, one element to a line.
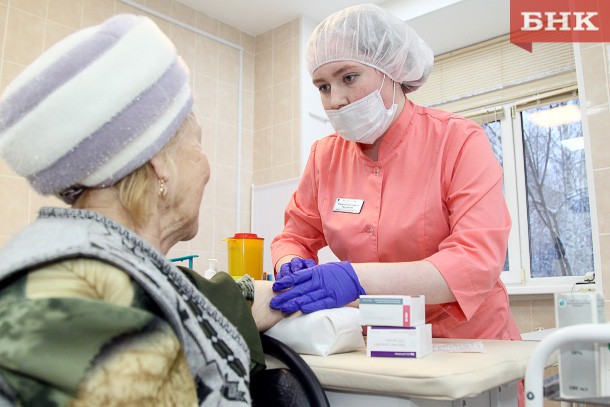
<point>397,133</point>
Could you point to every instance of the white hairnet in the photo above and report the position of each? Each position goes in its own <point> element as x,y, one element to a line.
<point>370,35</point>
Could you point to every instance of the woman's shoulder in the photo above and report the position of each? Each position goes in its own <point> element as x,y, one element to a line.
<point>83,278</point>
<point>444,116</point>
<point>451,127</point>
<point>329,145</point>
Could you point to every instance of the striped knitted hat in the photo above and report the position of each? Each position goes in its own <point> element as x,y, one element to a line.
<point>94,107</point>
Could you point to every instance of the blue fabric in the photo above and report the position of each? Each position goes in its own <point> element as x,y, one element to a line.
<point>330,285</point>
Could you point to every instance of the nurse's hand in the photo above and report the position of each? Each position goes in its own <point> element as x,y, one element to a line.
<point>329,285</point>
<point>293,266</point>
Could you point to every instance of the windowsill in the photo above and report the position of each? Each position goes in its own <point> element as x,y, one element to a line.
<point>520,289</point>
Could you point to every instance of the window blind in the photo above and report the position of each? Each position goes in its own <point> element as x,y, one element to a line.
<point>495,72</point>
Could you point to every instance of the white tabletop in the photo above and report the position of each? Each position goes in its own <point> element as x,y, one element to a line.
<point>439,375</point>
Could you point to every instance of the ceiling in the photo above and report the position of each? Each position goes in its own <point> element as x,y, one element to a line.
<point>445,25</point>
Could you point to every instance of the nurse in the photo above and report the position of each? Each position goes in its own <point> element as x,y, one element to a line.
<point>409,198</point>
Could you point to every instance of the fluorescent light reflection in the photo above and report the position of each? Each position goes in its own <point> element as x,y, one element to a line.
<point>556,116</point>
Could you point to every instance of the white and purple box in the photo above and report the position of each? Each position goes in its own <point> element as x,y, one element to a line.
<point>394,342</point>
<point>392,310</point>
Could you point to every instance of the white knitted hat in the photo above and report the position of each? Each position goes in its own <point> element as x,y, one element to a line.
<point>94,107</point>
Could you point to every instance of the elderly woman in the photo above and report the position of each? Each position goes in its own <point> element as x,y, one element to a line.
<point>409,198</point>
<point>91,311</point>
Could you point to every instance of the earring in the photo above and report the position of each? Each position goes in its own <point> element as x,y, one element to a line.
<point>162,188</point>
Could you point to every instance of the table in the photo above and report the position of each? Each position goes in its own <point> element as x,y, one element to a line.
<point>464,379</point>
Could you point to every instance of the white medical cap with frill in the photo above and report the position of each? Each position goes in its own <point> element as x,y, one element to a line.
<point>370,35</point>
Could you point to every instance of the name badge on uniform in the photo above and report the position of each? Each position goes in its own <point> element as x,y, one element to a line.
<point>348,205</point>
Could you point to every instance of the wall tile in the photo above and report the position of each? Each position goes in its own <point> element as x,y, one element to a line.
<point>282,34</point>
<point>185,44</point>
<point>95,12</point>
<point>248,110</point>
<point>282,102</point>
<point>205,90</point>
<point>264,41</point>
<point>245,222</point>
<point>182,248</point>
<point>229,33</point>
<point>296,142</point>
<point>226,146</point>
<point>296,170</point>
<point>121,8</point>
<point>6,170</point>
<point>599,123</point>
<point>207,24</point>
<point>263,70</point>
<point>209,138</point>
<point>3,21</point>
<point>604,243</point>
<point>226,190</point>
<point>228,59</point>
<point>265,176</point>
<point>183,13</point>
<point>164,25</point>
<point>224,227</point>
<point>24,37</point>
<point>10,70</point>
<point>227,107</point>
<point>263,108</point>
<point>55,32</point>
<point>282,144</point>
<point>35,7</point>
<point>594,69</point>
<point>249,72</point>
<point>247,148</point>
<point>246,191</point>
<point>4,239</point>
<point>208,201</point>
<point>282,62</point>
<point>248,42</point>
<point>522,313</point>
<point>162,6</point>
<point>15,204</point>
<point>296,100</point>
<point>206,56</point>
<point>297,61</point>
<point>66,12</point>
<point>602,196</point>
<point>543,313</point>
<point>263,145</point>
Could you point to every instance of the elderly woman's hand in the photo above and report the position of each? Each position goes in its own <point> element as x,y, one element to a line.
<point>264,316</point>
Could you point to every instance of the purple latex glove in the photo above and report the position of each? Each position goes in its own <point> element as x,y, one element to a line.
<point>329,285</point>
<point>294,265</point>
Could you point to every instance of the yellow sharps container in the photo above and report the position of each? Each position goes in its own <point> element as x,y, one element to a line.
<point>245,254</point>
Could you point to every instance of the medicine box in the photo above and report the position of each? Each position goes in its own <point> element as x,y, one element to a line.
<point>579,363</point>
<point>411,342</point>
<point>392,310</point>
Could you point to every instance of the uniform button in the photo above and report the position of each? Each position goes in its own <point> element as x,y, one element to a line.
<point>376,171</point>
<point>369,230</point>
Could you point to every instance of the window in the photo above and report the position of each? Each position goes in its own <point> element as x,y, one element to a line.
<point>508,92</point>
<point>540,147</point>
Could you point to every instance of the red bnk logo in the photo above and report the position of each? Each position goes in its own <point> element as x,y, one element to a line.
<point>559,21</point>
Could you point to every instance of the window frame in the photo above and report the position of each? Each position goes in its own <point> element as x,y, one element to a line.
<point>518,278</point>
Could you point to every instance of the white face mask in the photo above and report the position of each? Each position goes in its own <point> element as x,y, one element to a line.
<point>364,120</point>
